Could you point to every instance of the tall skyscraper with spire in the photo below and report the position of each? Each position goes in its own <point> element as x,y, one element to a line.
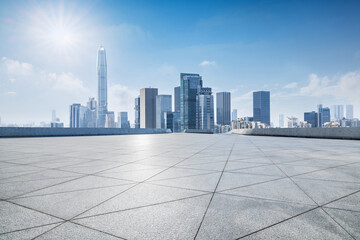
<point>102,87</point>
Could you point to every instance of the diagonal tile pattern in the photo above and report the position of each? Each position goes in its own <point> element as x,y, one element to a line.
<point>179,186</point>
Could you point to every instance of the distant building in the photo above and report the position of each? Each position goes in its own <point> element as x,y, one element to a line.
<point>281,120</point>
<point>163,105</point>
<point>292,122</point>
<point>337,112</point>
<point>234,115</point>
<point>77,116</point>
<point>247,122</point>
<point>123,121</point>
<point>53,116</point>
<point>223,108</point>
<point>56,123</point>
<point>110,120</point>
<point>205,110</point>
<point>173,121</point>
<point>311,118</point>
<point>137,112</point>
<point>148,107</point>
<point>102,87</point>
<point>261,107</point>
<point>323,115</point>
<point>177,99</point>
<point>91,113</point>
<point>190,83</point>
<point>349,111</point>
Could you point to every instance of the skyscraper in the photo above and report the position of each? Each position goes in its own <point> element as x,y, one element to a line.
<point>90,116</point>
<point>349,111</point>
<point>148,107</point>
<point>323,115</point>
<point>281,121</point>
<point>102,87</point>
<point>234,115</point>
<point>110,119</point>
<point>223,108</point>
<point>77,116</point>
<point>261,107</point>
<point>205,110</point>
<point>137,112</point>
<point>337,112</point>
<point>312,118</point>
<point>163,105</point>
<point>190,84</point>
<point>123,121</point>
<point>177,99</point>
<point>53,115</point>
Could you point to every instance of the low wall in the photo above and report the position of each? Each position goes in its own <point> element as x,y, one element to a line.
<point>336,133</point>
<point>52,132</point>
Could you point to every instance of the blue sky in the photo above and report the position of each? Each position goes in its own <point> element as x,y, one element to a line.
<point>304,52</point>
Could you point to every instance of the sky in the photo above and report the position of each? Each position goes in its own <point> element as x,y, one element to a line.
<point>304,52</point>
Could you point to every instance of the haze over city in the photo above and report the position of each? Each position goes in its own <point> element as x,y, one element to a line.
<point>304,54</point>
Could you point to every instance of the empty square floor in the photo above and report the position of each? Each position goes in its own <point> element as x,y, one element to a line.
<point>179,186</point>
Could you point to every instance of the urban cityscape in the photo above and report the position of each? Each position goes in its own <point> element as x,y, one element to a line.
<point>182,120</point>
<point>194,110</point>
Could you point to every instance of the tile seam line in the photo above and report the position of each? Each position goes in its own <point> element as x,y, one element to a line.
<point>213,193</point>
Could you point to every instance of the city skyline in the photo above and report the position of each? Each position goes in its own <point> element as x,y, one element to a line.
<point>56,44</point>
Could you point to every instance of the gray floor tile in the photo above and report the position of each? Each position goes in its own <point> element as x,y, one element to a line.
<point>268,170</point>
<point>27,234</point>
<point>311,225</point>
<point>351,202</point>
<point>230,217</point>
<point>175,220</point>
<point>349,220</point>
<point>14,218</point>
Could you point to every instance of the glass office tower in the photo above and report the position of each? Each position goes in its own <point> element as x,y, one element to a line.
<point>177,99</point>
<point>102,87</point>
<point>137,112</point>
<point>261,107</point>
<point>189,86</point>
<point>163,105</point>
<point>205,109</point>
<point>223,108</point>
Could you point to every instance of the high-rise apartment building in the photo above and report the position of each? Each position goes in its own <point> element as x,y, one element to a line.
<point>110,120</point>
<point>337,112</point>
<point>223,108</point>
<point>234,115</point>
<point>148,107</point>
<point>77,116</point>
<point>177,99</point>
<point>312,118</point>
<point>349,111</point>
<point>137,112</point>
<point>163,105</point>
<point>102,87</point>
<point>205,110</point>
<point>261,107</point>
<point>189,86</point>
<point>123,121</point>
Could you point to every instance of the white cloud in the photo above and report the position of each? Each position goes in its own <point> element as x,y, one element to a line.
<point>11,93</point>
<point>245,97</point>
<point>14,67</point>
<point>207,63</point>
<point>12,80</point>
<point>66,82</point>
<point>121,98</point>
<point>291,85</point>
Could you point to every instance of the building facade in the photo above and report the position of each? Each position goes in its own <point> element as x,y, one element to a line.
<point>102,87</point>
<point>173,121</point>
<point>148,107</point>
<point>137,112</point>
<point>223,108</point>
<point>177,99</point>
<point>91,113</point>
<point>123,121</point>
<point>311,118</point>
<point>163,105</point>
<point>205,110</point>
<point>337,112</point>
<point>110,120</point>
<point>349,111</point>
<point>261,107</point>
<point>77,116</point>
<point>189,86</point>
<point>323,115</point>
<point>234,115</point>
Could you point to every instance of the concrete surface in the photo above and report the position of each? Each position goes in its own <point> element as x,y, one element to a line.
<point>179,186</point>
<point>49,132</point>
<point>332,133</point>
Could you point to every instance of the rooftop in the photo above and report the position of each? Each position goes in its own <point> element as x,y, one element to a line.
<point>179,186</point>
